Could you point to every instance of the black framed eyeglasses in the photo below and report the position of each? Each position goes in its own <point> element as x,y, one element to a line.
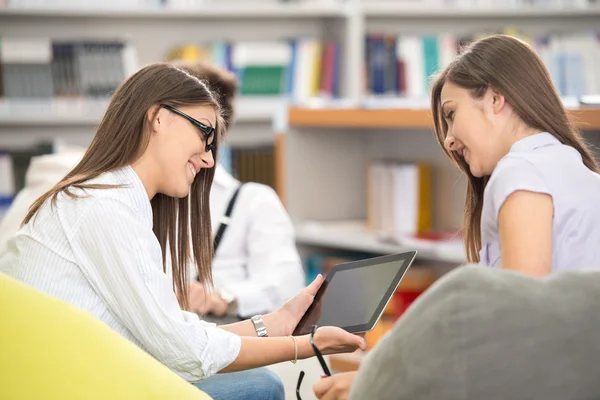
<point>319,357</point>
<point>208,132</point>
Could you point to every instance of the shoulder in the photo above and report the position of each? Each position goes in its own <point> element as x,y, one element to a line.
<point>104,198</point>
<point>512,166</point>
<point>515,173</point>
<point>96,203</point>
<point>258,194</point>
<point>258,190</point>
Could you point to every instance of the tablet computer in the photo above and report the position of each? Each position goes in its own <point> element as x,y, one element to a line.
<point>354,294</point>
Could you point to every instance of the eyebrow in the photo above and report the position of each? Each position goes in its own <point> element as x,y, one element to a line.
<point>207,122</point>
<point>443,104</point>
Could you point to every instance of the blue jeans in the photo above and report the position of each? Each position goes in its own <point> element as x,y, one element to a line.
<point>254,384</point>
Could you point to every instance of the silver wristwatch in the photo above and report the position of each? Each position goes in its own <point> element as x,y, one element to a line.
<point>259,325</point>
<point>230,300</point>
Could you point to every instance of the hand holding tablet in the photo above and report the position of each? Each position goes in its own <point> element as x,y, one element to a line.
<point>355,294</point>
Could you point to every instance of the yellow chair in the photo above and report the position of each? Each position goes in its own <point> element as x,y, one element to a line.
<point>52,350</point>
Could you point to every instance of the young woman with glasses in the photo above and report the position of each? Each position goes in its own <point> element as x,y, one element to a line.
<point>101,237</point>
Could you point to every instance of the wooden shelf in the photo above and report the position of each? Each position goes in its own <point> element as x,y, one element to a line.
<point>360,118</point>
<point>586,118</point>
<point>403,118</point>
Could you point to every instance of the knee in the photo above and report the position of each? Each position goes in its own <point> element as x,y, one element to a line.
<point>268,385</point>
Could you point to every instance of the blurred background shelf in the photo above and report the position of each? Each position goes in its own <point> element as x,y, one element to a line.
<point>227,10</point>
<point>89,112</point>
<point>416,117</point>
<point>354,236</point>
<point>391,9</point>
<point>345,99</point>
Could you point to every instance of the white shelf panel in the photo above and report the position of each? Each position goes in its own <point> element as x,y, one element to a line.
<point>245,10</point>
<point>51,112</point>
<point>259,109</point>
<point>393,10</point>
<point>89,112</point>
<point>353,236</point>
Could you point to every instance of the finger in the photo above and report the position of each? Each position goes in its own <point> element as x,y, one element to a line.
<point>362,344</point>
<point>323,386</point>
<point>359,341</point>
<point>333,394</point>
<point>314,286</point>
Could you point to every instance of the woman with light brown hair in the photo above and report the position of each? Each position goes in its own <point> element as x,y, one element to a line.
<point>100,239</point>
<point>533,189</point>
<point>532,206</point>
<point>256,266</point>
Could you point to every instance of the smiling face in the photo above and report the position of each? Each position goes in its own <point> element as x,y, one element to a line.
<point>475,127</point>
<point>178,148</point>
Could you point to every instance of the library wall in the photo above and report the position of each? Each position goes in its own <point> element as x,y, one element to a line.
<point>346,181</point>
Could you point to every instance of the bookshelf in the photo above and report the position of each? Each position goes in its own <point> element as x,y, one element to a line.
<point>233,10</point>
<point>330,139</point>
<point>392,9</point>
<point>24,122</point>
<point>346,21</point>
<point>317,146</point>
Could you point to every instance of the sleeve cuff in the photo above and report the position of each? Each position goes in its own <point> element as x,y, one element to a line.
<point>222,348</point>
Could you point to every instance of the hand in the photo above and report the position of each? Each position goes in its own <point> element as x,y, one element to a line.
<point>283,321</point>
<point>334,387</point>
<point>332,340</point>
<point>197,297</point>
<point>202,302</point>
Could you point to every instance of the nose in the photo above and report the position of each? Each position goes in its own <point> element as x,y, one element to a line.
<point>450,143</point>
<point>207,160</point>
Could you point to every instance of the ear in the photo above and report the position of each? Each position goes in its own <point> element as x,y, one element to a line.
<point>154,117</point>
<point>497,100</point>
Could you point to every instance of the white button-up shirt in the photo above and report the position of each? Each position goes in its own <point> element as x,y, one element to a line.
<point>257,260</point>
<point>99,253</point>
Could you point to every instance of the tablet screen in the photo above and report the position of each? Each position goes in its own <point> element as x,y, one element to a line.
<point>354,295</point>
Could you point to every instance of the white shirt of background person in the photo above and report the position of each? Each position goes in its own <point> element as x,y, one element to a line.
<point>257,262</point>
<point>43,173</point>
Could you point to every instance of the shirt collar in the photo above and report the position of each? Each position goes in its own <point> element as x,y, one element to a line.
<point>223,178</point>
<point>534,141</point>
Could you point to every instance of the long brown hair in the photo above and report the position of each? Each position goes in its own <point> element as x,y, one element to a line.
<point>513,69</point>
<point>221,82</point>
<point>122,137</point>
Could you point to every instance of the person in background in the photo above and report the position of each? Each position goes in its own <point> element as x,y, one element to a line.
<point>256,267</point>
<point>43,172</point>
<point>99,240</point>
<point>532,196</point>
